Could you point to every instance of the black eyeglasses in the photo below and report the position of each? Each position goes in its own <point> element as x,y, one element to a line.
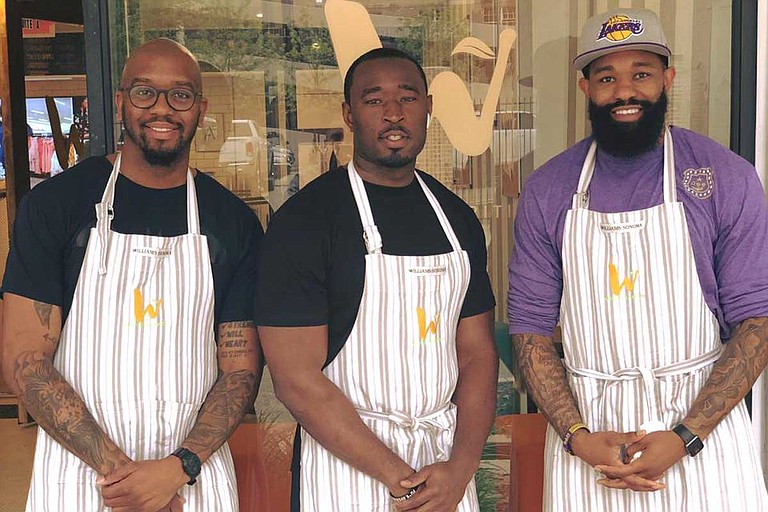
<point>179,99</point>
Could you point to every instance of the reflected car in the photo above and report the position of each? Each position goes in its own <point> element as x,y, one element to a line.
<point>246,150</point>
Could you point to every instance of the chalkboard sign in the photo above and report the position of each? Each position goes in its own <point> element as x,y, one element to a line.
<point>60,55</point>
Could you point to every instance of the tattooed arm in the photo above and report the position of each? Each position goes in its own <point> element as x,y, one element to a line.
<point>546,380</point>
<point>150,485</point>
<point>240,368</point>
<point>31,336</point>
<point>743,359</point>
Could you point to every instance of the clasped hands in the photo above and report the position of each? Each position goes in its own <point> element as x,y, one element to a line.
<point>441,487</point>
<point>635,461</point>
<point>145,486</point>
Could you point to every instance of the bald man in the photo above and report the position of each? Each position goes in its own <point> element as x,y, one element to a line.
<point>128,300</point>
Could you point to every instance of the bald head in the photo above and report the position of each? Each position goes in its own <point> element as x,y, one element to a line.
<point>160,104</point>
<point>157,52</point>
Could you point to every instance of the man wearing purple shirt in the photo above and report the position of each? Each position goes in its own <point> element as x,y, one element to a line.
<point>649,245</point>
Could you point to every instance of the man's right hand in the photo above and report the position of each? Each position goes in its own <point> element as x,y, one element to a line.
<point>144,486</point>
<point>605,448</point>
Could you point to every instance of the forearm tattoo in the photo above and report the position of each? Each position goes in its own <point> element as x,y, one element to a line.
<point>59,410</point>
<point>230,397</point>
<point>743,359</point>
<point>43,311</point>
<point>546,380</point>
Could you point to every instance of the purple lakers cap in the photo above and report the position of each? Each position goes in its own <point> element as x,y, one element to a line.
<point>620,30</point>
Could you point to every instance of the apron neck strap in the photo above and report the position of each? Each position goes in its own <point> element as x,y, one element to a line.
<point>581,197</point>
<point>105,211</point>
<point>670,190</point>
<point>444,223</point>
<point>193,212</point>
<point>371,234</point>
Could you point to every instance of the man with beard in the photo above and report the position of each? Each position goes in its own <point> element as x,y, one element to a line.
<point>129,329</point>
<point>376,315</point>
<point>650,245</point>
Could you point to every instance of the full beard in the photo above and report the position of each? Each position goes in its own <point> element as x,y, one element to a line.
<point>628,139</point>
<point>158,156</point>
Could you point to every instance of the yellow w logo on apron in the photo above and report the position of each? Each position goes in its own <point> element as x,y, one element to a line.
<point>139,311</point>
<point>628,282</point>
<point>425,329</point>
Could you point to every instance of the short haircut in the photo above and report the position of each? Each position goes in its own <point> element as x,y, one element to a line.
<point>664,62</point>
<point>379,53</point>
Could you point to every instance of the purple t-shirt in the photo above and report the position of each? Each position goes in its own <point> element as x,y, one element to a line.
<point>728,230</point>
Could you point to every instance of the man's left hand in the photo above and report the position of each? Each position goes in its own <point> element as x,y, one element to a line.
<point>146,486</point>
<point>441,488</point>
<point>657,451</point>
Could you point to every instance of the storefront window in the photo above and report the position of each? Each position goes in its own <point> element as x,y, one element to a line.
<point>506,101</point>
<point>57,106</point>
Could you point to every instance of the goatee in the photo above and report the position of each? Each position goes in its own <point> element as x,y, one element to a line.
<point>157,156</point>
<point>628,139</point>
<point>394,160</point>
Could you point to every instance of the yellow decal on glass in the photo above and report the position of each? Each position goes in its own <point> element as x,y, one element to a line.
<point>353,34</point>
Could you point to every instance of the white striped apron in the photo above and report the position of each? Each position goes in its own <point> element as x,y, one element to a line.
<point>398,367</point>
<point>640,342</point>
<point>138,346</point>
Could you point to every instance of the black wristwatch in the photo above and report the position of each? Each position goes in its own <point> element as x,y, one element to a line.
<point>693,444</point>
<point>190,463</point>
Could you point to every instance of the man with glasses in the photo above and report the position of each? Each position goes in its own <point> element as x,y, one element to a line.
<point>128,302</point>
<point>648,244</point>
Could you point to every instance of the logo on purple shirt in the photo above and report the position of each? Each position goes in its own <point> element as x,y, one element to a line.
<point>699,182</point>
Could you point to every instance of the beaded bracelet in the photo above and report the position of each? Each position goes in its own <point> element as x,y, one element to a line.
<point>569,436</point>
<point>405,496</point>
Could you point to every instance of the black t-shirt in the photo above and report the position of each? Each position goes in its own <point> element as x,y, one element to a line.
<point>312,264</point>
<point>53,225</point>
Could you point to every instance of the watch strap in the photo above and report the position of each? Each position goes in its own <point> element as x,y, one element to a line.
<point>693,443</point>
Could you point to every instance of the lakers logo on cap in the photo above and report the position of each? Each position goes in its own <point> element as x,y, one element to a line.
<point>699,182</point>
<point>620,28</point>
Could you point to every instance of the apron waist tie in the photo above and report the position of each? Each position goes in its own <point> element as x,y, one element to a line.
<point>421,425</point>
<point>648,375</point>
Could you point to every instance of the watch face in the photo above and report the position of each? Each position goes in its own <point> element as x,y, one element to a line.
<point>189,462</point>
<point>694,446</point>
<point>192,463</point>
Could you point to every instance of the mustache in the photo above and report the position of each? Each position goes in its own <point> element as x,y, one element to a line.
<point>162,119</point>
<point>626,103</point>
<point>394,128</point>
